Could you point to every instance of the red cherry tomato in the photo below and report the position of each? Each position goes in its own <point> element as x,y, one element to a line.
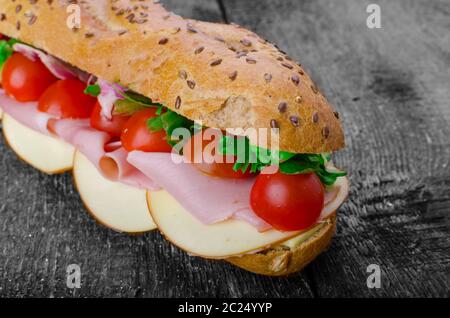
<point>66,99</point>
<point>202,151</point>
<point>288,202</point>
<point>24,79</point>
<point>137,136</point>
<point>113,127</point>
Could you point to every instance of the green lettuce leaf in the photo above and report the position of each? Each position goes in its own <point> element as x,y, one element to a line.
<point>6,51</point>
<point>93,90</point>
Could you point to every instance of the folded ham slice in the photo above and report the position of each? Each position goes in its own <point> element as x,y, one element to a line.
<point>114,166</point>
<point>25,113</point>
<point>79,133</point>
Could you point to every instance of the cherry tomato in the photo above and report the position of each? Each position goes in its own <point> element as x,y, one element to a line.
<point>24,79</point>
<point>66,99</point>
<point>202,151</point>
<point>288,202</point>
<point>113,127</point>
<point>137,136</point>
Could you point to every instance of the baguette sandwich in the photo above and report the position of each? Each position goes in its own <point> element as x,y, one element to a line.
<point>205,131</point>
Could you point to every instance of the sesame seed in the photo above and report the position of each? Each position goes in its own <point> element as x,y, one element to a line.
<point>315,117</point>
<point>18,25</point>
<point>220,39</point>
<point>190,28</point>
<point>274,123</point>
<point>182,74</point>
<point>294,121</point>
<point>233,75</point>
<point>282,107</point>
<point>295,79</point>
<point>246,42</point>
<point>141,21</point>
<point>301,72</point>
<point>33,1</point>
<point>2,17</point>
<point>241,54</point>
<point>336,114</point>
<point>251,61</point>
<point>268,77</point>
<point>216,62</point>
<point>178,102</point>
<point>163,41</point>
<point>315,89</point>
<point>199,50</point>
<point>130,17</point>
<point>88,35</point>
<point>191,84</point>
<point>18,8</point>
<point>326,132</point>
<point>32,20</point>
<point>289,66</point>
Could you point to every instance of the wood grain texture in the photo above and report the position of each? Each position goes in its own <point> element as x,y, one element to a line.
<point>391,87</point>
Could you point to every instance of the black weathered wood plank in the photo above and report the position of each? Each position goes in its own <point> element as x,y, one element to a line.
<point>391,87</point>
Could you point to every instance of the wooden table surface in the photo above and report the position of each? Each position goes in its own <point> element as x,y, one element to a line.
<point>392,88</point>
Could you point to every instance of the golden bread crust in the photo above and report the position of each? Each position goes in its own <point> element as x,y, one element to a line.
<point>283,261</point>
<point>222,75</point>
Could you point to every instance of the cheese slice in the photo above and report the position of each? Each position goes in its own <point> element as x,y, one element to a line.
<point>115,205</point>
<point>45,153</point>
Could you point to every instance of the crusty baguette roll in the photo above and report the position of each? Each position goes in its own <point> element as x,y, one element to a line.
<point>282,260</point>
<point>222,75</point>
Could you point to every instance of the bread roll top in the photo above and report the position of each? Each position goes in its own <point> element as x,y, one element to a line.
<point>223,76</point>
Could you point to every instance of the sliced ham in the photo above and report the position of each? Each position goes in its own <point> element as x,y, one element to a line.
<point>89,141</point>
<point>209,199</point>
<point>25,113</point>
<point>114,165</point>
<point>93,143</point>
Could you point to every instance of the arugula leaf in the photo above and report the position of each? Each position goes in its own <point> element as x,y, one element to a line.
<point>168,121</point>
<point>6,51</point>
<point>93,90</point>
<point>251,157</point>
<point>306,163</point>
<point>128,108</point>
